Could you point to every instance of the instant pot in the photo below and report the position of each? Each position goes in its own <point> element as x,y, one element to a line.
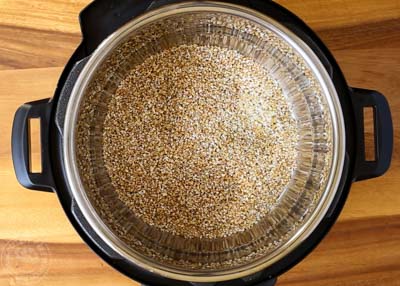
<point>331,125</point>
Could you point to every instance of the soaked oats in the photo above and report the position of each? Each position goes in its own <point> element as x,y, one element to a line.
<point>199,141</point>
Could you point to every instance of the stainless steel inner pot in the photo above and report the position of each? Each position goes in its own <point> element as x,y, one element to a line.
<point>310,94</point>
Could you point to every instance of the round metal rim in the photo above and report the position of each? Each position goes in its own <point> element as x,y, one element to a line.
<point>71,117</point>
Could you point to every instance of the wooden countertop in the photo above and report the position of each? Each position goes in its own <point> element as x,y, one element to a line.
<point>38,246</point>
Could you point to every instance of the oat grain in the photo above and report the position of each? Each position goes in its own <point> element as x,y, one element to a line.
<point>199,141</point>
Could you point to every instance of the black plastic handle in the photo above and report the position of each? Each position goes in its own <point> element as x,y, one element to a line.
<point>21,146</point>
<point>102,17</point>
<point>383,133</point>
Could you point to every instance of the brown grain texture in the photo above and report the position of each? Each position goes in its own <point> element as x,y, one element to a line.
<point>36,40</point>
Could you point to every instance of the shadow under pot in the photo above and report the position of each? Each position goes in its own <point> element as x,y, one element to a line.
<point>201,143</point>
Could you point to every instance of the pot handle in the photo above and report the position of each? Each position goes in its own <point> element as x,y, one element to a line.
<point>103,17</point>
<point>383,133</point>
<point>21,145</point>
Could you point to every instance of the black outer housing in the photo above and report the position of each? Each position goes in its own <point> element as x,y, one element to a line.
<point>100,19</point>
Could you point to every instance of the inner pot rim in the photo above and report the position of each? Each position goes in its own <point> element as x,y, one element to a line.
<point>71,117</point>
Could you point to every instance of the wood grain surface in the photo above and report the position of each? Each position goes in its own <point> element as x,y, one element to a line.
<point>38,246</point>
